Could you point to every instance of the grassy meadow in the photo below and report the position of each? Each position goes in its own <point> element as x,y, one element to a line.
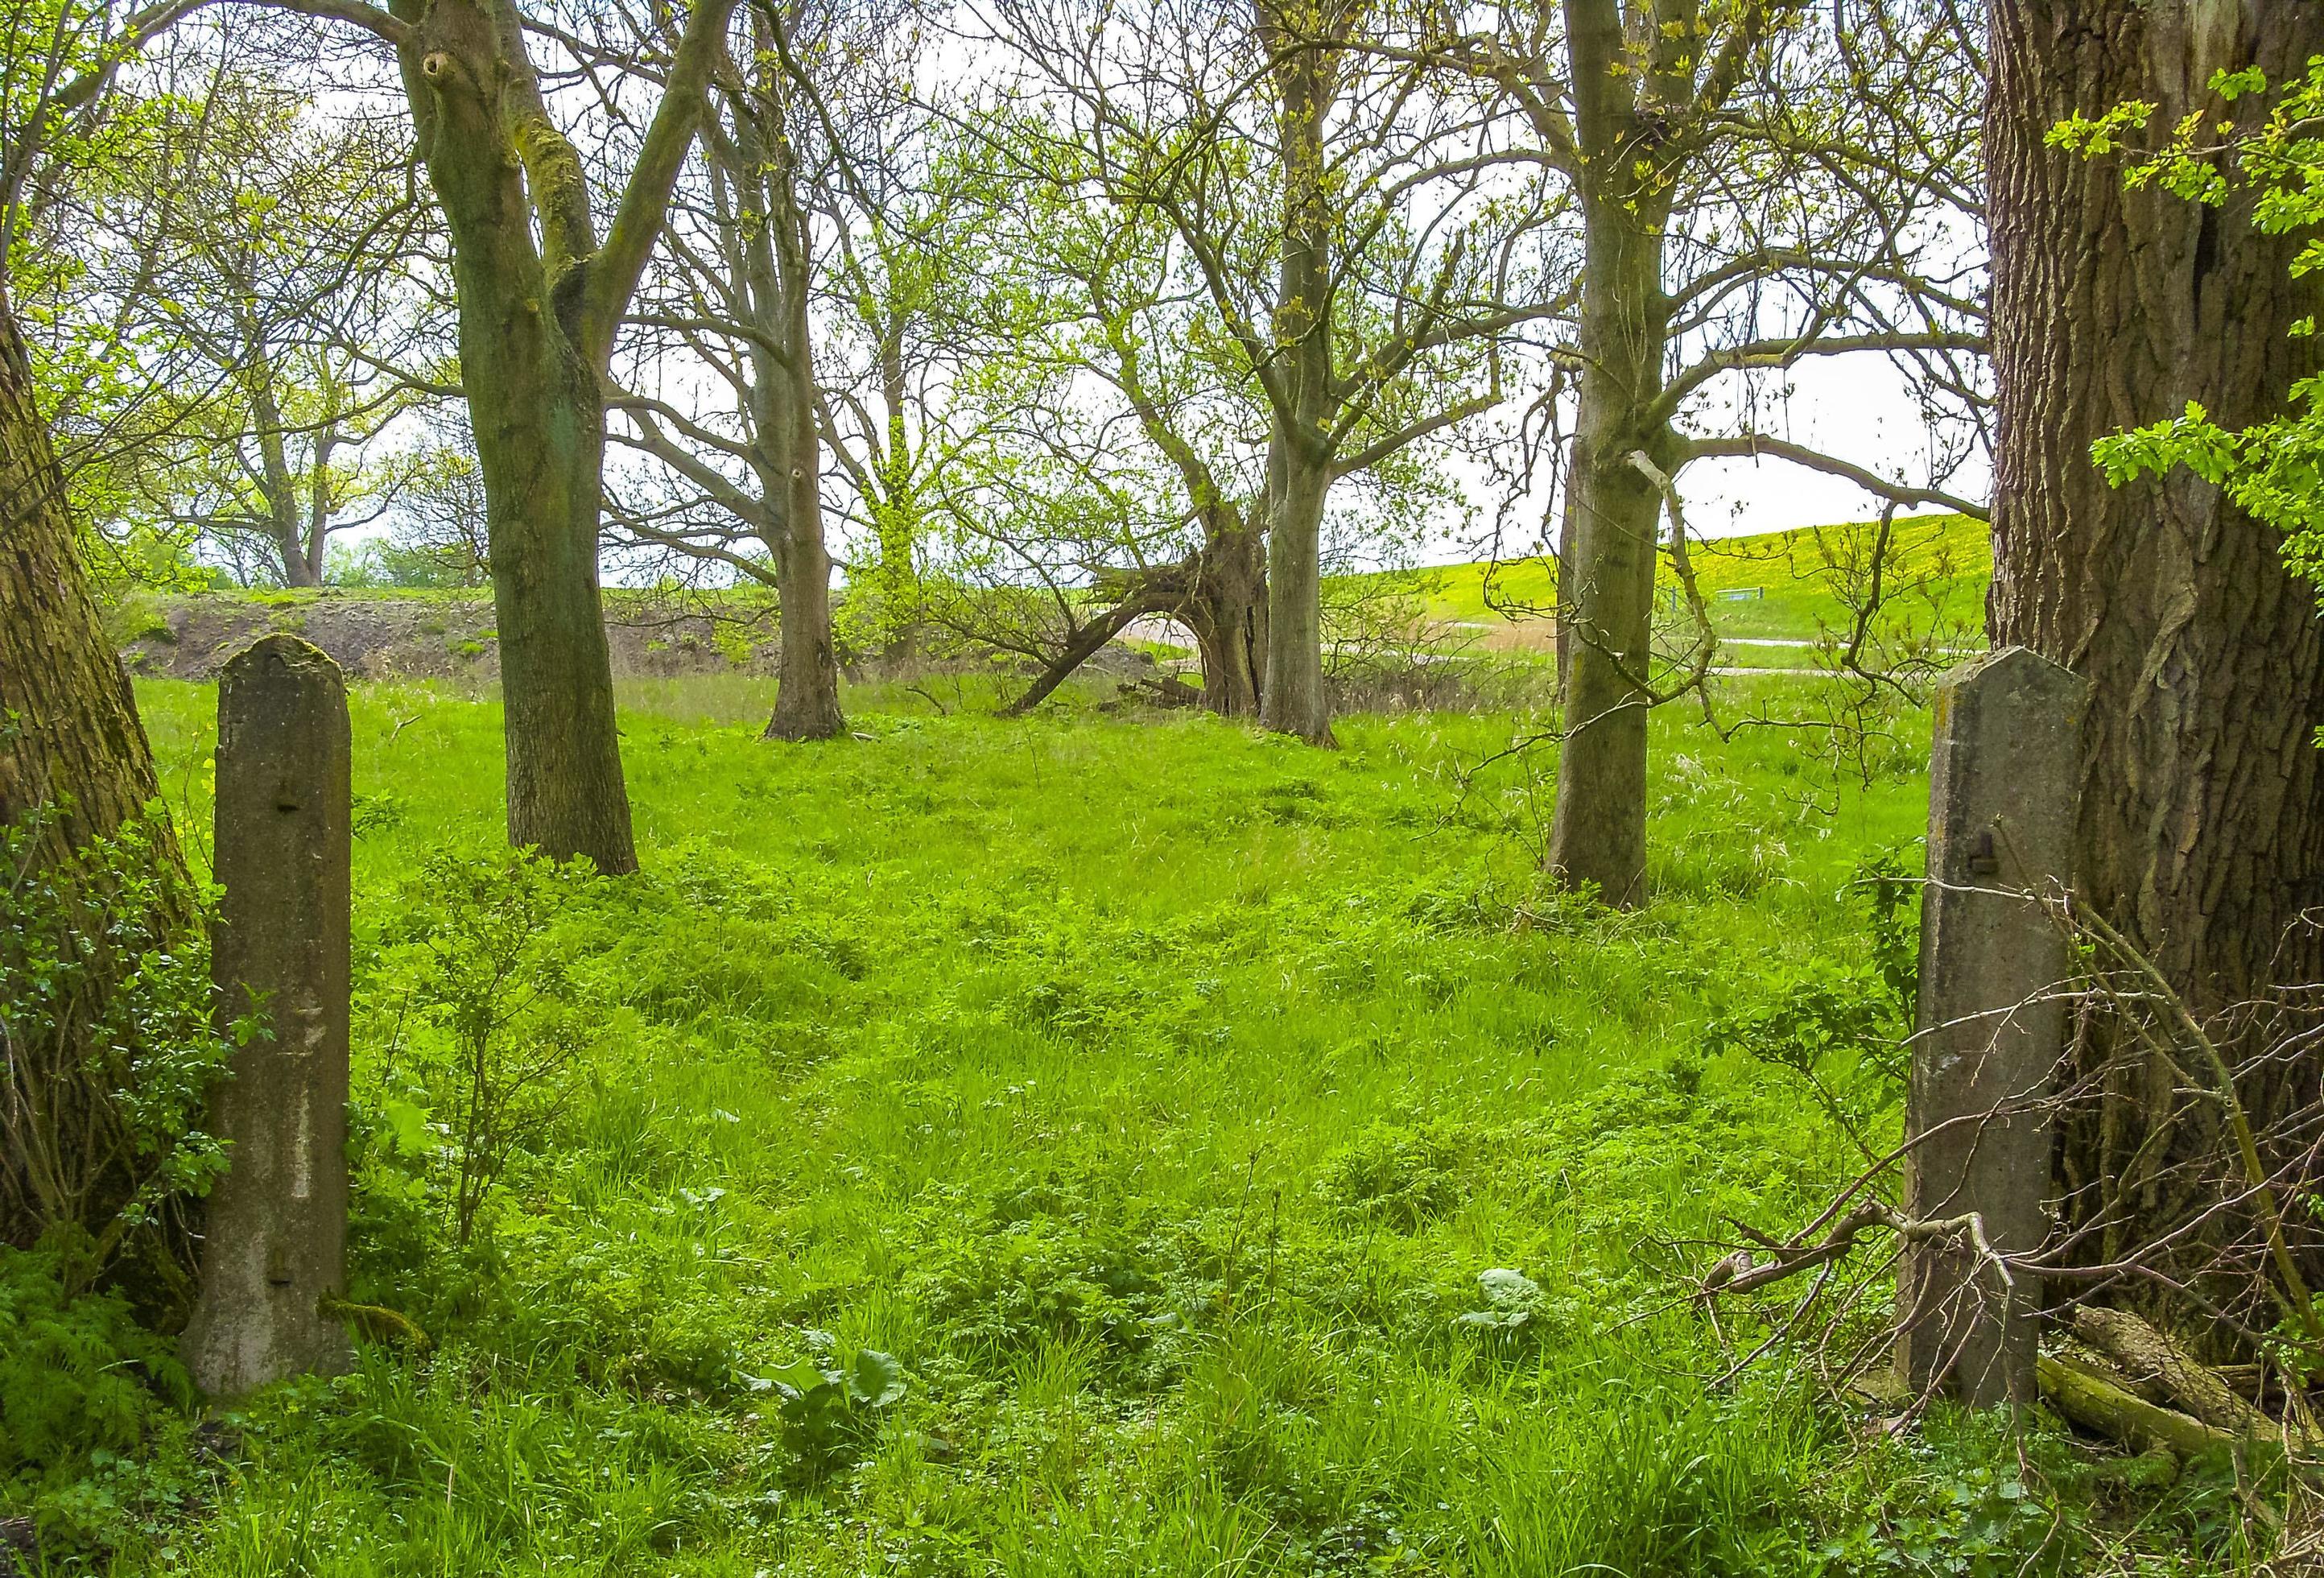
<point>1180,1150</point>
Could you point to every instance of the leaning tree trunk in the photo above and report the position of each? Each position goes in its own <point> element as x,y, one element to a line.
<point>70,737</point>
<point>2202,832</point>
<point>74,768</point>
<point>1605,616</point>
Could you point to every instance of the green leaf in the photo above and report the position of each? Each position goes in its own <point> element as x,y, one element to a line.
<point>799,1377</point>
<point>875,1379</point>
<point>407,1127</point>
<point>1507,1289</point>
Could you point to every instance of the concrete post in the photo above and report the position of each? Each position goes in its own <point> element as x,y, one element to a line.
<point>276,1241</point>
<point>2003,780</point>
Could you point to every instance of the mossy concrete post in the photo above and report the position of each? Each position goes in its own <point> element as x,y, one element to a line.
<point>2003,781</point>
<point>274,1245</point>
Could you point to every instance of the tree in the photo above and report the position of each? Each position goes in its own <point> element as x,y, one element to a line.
<point>1117,466</point>
<point>2202,831</point>
<point>1357,239</point>
<point>69,735</point>
<point>740,295</point>
<point>1754,193</point>
<point>104,972</point>
<point>266,256</point>
<point>867,322</point>
<point>71,740</point>
<point>541,297</point>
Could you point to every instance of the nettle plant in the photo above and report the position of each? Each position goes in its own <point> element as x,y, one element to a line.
<point>2274,470</point>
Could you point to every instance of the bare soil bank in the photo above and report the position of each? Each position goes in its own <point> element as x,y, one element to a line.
<point>437,635</point>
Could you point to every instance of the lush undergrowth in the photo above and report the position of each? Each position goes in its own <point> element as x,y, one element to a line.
<point>1120,1116</point>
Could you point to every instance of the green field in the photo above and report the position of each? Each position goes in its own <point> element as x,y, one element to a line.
<point>1157,1094</point>
<point>1788,587</point>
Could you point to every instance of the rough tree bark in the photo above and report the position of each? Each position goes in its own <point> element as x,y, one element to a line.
<point>69,735</point>
<point>1225,607</point>
<point>784,396</point>
<point>2201,833</point>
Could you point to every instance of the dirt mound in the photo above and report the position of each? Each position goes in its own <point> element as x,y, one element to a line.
<point>437,635</point>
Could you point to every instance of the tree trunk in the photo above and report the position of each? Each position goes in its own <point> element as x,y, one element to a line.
<point>2201,833</point>
<point>1083,644</point>
<point>69,735</point>
<point>1293,697</point>
<point>276,485</point>
<point>540,441</point>
<point>531,346</point>
<point>1605,616</point>
<point>1226,609</point>
<point>806,694</point>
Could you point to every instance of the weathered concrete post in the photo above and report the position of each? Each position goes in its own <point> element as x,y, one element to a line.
<point>2002,791</point>
<point>275,1242</point>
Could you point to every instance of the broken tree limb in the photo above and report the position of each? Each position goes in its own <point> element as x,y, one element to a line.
<point>1744,1272</point>
<point>2144,1353</point>
<point>2100,1405</point>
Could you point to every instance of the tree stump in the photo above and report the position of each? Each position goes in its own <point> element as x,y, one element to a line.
<point>275,1245</point>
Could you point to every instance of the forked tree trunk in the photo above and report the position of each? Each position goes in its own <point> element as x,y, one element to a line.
<point>2202,831</point>
<point>540,297</point>
<point>537,408</point>
<point>69,735</point>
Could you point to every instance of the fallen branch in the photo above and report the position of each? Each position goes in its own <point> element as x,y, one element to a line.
<point>2145,1355</point>
<point>1744,1272</point>
<point>2099,1404</point>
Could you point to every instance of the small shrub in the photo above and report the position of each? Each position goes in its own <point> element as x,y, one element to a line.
<point>83,1389</point>
<point>488,1016</point>
<point>1404,1178</point>
<point>77,1373</point>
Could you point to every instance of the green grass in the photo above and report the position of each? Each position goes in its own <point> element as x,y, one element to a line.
<point>1156,1092</point>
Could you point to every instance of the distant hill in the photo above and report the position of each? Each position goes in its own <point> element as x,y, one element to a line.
<point>1777,587</point>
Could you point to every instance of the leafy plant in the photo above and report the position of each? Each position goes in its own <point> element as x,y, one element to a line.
<point>2275,469</point>
<point>1512,1301</point>
<point>83,1389</point>
<point>107,1025</point>
<point>488,1004</point>
<point>829,1408</point>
